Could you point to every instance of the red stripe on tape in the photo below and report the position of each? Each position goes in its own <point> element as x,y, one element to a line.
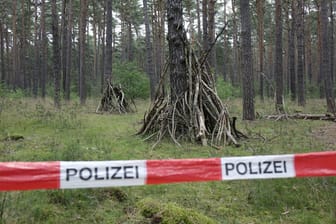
<point>183,170</point>
<point>29,175</point>
<point>315,164</point>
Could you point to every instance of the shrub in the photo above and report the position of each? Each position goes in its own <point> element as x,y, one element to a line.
<point>134,82</point>
<point>225,90</point>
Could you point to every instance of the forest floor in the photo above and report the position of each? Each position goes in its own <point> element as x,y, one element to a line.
<point>76,133</point>
<point>326,134</point>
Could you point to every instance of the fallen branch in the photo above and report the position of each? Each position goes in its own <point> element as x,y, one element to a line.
<point>322,117</point>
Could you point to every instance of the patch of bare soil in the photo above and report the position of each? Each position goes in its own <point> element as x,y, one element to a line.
<point>326,134</point>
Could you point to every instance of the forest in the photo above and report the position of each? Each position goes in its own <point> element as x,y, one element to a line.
<point>106,80</point>
<point>68,48</point>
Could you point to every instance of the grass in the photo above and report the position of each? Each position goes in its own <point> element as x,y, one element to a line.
<point>76,133</point>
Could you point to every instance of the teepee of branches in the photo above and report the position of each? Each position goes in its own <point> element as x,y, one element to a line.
<point>114,100</point>
<point>197,115</point>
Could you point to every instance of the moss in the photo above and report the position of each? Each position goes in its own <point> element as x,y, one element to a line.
<point>170,213</point>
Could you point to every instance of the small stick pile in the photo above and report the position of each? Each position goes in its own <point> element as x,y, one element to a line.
<point>198,115</point>
<point>114,101</point>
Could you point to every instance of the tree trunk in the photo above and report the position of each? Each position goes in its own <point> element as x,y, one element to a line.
<point>44,50</point>
<point>198,12</point>
<point>260,15</point>
<point>234,74</point>
<point>325,67</point>
<point>309,48</point>
<point>291,48</point>
<point>248,82</point>
<point>82,34</point>
<point>56,56</point>
<point>332,41</point>
<point>15,63</point>
<point>36,51</point>
<point>278,58</point>
<point>176,39</point>
<point>68,52</point>
<point>108,48</point>
<point>149,54</point>
<point>300,62</point>
<point>212,33</point>
<point>205,24</point>
<point>64,45</point>
<point>2,54</point>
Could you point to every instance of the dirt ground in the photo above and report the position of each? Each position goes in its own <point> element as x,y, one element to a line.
<point>327,134</point>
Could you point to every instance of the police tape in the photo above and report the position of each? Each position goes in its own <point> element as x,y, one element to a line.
<point>94,174</point>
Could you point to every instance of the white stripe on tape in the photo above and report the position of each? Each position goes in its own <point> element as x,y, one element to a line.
<point>258,167</point>
<point>102,174</point>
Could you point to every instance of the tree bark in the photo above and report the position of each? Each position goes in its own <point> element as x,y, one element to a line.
<point>278,58</point>
<point>332,41</point>
<point>44,50</point>
<point>108,48</point>
<point>64,45</point>
<point>260,15</point>
<point>212,33</point>
<point>248,82</point>
<point>205,24</point>
<point>68,51</point>
<point>36,51</point>
<point>300,60</point>
<point>291,48</point>
<point>234,74</point>
<point>82,35</point>
<point>15,64</point>
<point>149,54</point>
<point>2,54</point>
<point>325,66</point>
<point>56,56</point>
<point>176,40</point>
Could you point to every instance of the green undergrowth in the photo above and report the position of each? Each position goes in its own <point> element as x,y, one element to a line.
<point>75,133</point>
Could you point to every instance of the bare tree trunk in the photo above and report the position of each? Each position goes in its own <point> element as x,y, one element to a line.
<point>278,58</point>
<point>176,39</point>
<point>248,82</point>
<point>15,64</point>
<point>82,34</point>
<point>260,15</point>
<point>234,74</point>
<point>2,54</point>
<point>68,51</point>
<point>332,41</point>
<point>291,48</point>
<point>149,54</point>
<point>300,62</point>
<point>205,24</point>
<point>325,67</point>
<point>108,49</point>
<point>56,56</point>
<point>64,44</point>
<point>36,51</point>
<point>198,11</point>
<point>309,47</point>
<point>212,33</point>
<point>44,50</point>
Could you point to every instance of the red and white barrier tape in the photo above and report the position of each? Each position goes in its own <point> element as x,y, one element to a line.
<point>92,174</point>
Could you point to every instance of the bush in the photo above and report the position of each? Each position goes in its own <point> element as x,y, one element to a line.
<point>225,90</point>
<point>134,82</point>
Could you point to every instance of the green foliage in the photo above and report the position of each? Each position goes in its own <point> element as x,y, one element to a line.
<point>226,91</point>
<point>134,82</point>
<point>11,94</point>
